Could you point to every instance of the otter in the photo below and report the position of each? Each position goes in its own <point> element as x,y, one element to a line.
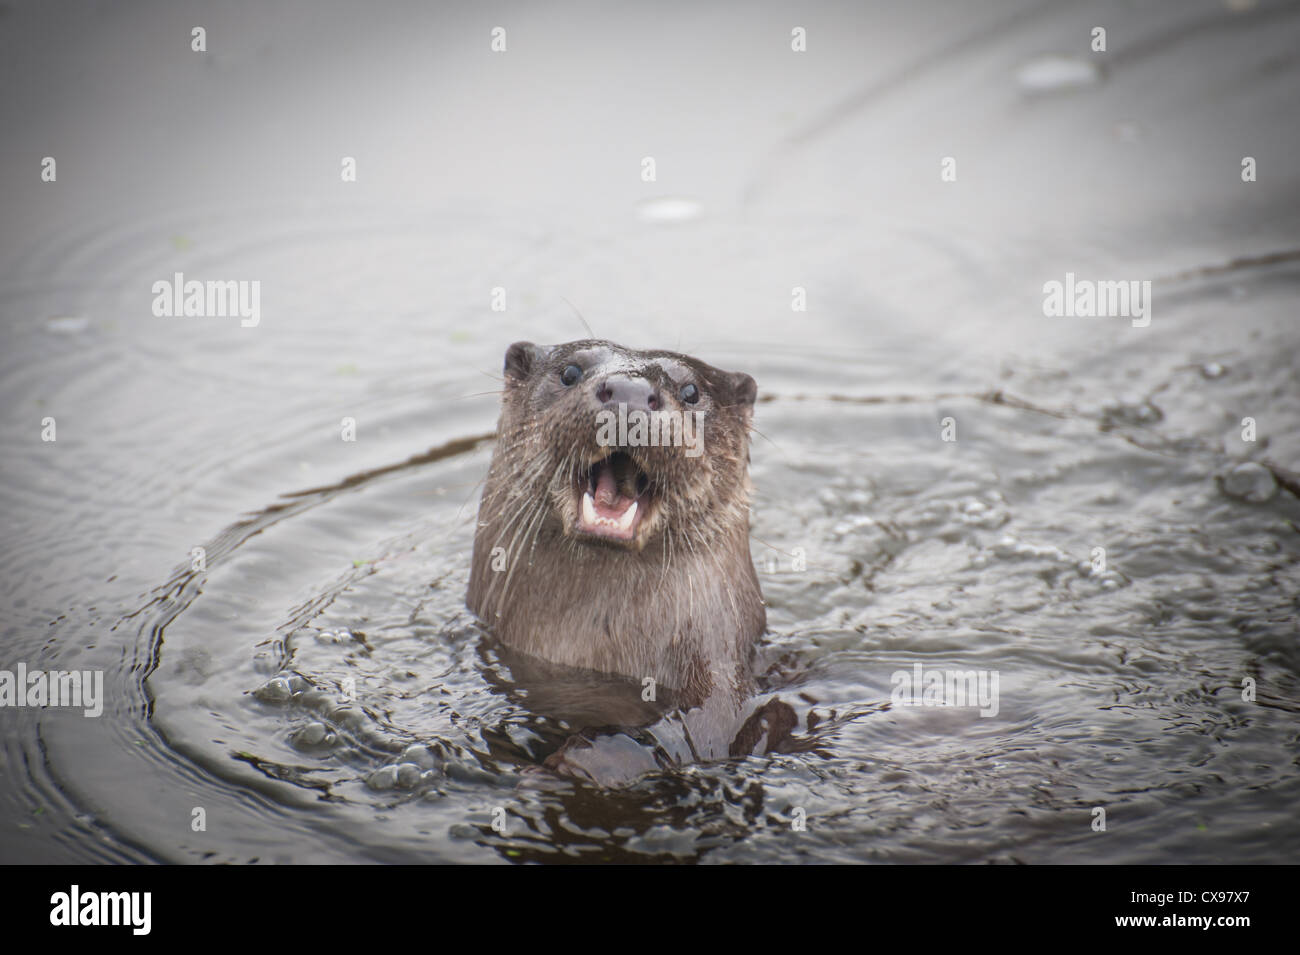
<point>601,548</point>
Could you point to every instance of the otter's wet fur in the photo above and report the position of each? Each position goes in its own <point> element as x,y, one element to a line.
<point>680,603</point>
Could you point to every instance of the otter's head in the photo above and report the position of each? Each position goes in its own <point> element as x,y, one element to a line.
<point>622,448</point>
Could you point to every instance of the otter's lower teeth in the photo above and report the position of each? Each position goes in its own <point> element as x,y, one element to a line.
<point>590,518</point>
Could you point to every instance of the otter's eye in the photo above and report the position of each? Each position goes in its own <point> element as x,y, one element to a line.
<point>571,375</point>
<point>690,394</point>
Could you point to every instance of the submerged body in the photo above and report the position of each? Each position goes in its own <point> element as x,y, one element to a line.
<point>613,533</point>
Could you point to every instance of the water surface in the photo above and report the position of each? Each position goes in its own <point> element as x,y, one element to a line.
<point>318,687</point>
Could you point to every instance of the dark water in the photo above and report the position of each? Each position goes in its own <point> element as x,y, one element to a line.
<point>319,690</point>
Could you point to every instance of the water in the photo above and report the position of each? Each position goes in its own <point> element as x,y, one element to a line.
<point>336,568</point>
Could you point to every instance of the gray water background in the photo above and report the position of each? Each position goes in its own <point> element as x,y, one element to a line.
<point>332,560</point>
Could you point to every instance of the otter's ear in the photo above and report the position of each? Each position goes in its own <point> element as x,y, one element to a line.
<point>742,387</point>
<point>522,358</point>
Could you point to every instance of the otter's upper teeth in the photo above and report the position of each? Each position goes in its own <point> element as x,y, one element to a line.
<point>626,518</point>
<point>588,508</point>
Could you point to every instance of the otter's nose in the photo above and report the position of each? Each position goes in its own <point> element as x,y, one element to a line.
<point>636,393</point>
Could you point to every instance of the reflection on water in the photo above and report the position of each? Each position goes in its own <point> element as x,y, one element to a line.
<point>1104,517</point>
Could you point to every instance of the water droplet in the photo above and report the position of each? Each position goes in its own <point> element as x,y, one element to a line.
<point>408,775</point>
<point>1212,369</point>
<point>419,755</point>
<point>668,209</point>
<point>1250,482</point>
<point>1048,74</point>
<point>274,690</point>
<point>67,324</point>
<point>313,734</point>
<point>1133,412</point>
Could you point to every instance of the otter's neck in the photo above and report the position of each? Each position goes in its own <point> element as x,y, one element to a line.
<point>684,615</point>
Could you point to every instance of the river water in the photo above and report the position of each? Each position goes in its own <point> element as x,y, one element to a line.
<point>945,475</point>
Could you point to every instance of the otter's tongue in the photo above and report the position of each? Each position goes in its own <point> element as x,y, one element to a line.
<point>607,496</point>
<point>608,512</point>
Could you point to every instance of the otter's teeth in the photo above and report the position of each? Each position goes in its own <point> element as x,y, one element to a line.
<point>590,518</point>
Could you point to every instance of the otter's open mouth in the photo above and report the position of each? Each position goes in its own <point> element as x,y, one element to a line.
<point>613,498</point>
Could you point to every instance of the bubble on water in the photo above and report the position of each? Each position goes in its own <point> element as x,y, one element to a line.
<point>316,699</point>
<point>852,525</point>
<point>974,512</point>
<point>409,775</point>
<point>1212,369</point>
<point>419,755</point>
<point>858,499</point>
<point>275,690</point>
<point>1009,547</point>
<point>313,734</point>
<point>383,779</point>
<point>1250,482</point>
<point>1048,74</point>
<point>1131,412</point>
<point>349,717</point>
<point>67,324</point>
<point>668,209</point>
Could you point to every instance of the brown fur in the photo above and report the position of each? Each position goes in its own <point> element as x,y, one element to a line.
<point>682,603</point>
